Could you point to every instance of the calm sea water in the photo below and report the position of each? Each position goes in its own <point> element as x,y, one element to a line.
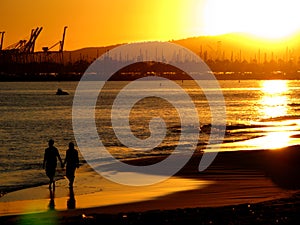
<point>260,114</point>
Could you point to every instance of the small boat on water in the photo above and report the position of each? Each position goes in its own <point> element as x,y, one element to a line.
<point>61,92</point>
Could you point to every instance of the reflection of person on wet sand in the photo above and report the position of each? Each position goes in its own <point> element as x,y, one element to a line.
<point>71,203</point>
<point>51,203</point>
<point>72,162</point>
<point>50,161</point>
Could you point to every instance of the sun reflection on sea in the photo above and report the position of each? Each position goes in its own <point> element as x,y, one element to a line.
<point>274,100</point>
<point>274,86</point>
<point>273,140</point>
<point>273,106</point>
<point>276,126</point>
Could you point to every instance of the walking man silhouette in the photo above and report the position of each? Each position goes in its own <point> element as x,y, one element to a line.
<point>72,162</point>
<point>50,162</point>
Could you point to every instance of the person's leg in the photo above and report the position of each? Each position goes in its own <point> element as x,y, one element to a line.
<point>71,181</point>
<point>50,181</point>
<point>50,173</point>
<point>70,172</point>
<point>53,185</point>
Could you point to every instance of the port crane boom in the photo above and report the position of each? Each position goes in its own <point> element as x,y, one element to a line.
<point>1,40</point>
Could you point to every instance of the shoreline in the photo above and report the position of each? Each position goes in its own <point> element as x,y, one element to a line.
<point>74,76</point>
<point>238,179</point>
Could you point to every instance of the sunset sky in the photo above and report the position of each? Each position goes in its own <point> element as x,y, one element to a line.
<point>102,22</point>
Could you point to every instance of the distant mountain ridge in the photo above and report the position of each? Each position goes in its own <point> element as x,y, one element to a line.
<point>234,46</point>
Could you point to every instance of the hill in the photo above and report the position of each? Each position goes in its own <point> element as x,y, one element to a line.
<point>234,46</point>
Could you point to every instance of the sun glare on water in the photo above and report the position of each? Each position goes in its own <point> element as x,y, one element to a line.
<point>274,87</point>
<point>267,19</point>
<point>273,101</point>
<point>273,104</point>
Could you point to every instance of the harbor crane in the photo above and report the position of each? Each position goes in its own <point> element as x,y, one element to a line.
<point>23,51</point>
<point>24,46</point>
<point>47,52</point>
<point>1,40</point>
<point>29,46</point>
<point>60,43</point>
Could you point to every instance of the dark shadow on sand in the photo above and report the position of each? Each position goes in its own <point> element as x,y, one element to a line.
<point>283,167</point>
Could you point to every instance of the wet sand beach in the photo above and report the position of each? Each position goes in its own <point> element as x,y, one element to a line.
<point>245,187</point>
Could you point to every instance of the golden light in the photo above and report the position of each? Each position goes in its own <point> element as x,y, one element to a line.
<point>273,106</point>
<point>264,18</point>
<point>276,132</point>
<point>274,86</point>
<point>274,101</point>
<point>274,140</point>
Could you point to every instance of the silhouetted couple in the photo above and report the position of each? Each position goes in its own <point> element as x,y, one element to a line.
<point>50,163</point>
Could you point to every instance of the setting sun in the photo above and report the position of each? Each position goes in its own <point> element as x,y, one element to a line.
<point>263,18</point>
<point>100,23</point>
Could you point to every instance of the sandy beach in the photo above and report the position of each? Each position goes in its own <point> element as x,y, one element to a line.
<point>238,187</point>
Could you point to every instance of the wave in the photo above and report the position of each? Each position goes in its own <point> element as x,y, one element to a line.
<point>295,136</point>
<point>233,127</point>
<point>281,118</point>
<point>294,104</point>
<point>6,189</point>
<point>27,177</point>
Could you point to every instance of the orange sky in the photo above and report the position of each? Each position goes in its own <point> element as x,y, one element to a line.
<point>103,22</point>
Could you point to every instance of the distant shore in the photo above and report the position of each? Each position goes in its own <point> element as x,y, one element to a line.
<point>248,187</point>
<point>6,77</point>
